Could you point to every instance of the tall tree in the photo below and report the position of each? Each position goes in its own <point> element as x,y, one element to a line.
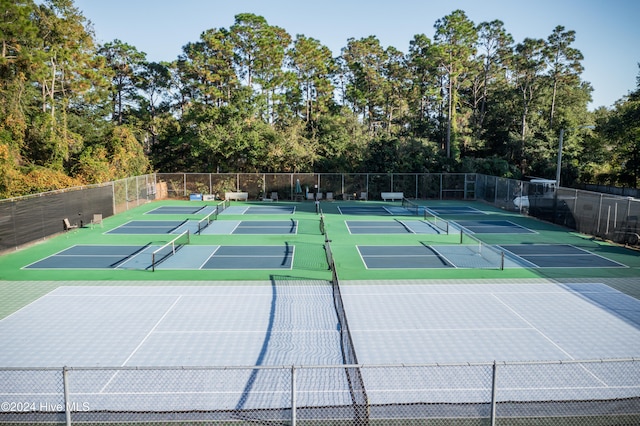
<point>153,82</point>
<point>396,88</point>
<point>563,62</point>
<point>422,66</point>
<point>527,68</point>
<point>622,129</point>
<point>365,60</point>
<point>18,37</point>
<point>125,63</point>
<point>69,73</point>
<point>456,37</point>
<point>260,50</point>
<point>494,45</point>
<point>314,67</point>
<point>209,66</point>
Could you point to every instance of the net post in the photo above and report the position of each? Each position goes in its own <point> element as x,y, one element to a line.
<point>153,262</point>
<point>293,395</point>
<point>502,261</point>
<point>494,389</point>
<point>67,399</point>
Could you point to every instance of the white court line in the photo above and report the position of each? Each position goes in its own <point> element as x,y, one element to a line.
<point>592,374</point>
<point>443,257</point>
<point>407,227</point>
<point>506,305</point>
<point>209,258</point>
<point>262,332</point>
<point>142,342</point>
<point>411,330</point>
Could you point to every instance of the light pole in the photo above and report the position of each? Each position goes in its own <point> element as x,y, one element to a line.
<point>559,165</point>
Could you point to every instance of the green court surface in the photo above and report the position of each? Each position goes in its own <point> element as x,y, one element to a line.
<point>20,286</point>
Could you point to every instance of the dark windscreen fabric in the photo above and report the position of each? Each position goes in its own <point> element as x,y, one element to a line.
<point>29,219</point>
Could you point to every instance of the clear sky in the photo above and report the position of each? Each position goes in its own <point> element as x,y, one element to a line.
<point>607,31</point>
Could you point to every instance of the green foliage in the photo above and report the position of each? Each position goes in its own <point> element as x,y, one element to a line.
<point>622,128</point>
<point>251,98</point>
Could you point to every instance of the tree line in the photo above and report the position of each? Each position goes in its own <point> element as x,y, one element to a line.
<point>253,98</point>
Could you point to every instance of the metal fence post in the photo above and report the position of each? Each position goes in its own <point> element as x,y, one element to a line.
<point>113,197</point>
<point>599,216</point>
<point>494,377</point>
<point>67,403</point>
<point>293,395</point>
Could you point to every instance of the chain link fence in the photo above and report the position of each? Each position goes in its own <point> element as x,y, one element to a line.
<point>606,216</point>
<point>24,220</point>
<point>347,186</point>
<point>31,218</point>
<point>602,392</point>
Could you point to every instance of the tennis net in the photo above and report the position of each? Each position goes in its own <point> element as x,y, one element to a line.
<point>357,391</point>
<point>169,249</point>
<point>437,221</point>
<point>206,221</point>
<point>323,230</point>
<point>488,252</point>
<point>411,206</point>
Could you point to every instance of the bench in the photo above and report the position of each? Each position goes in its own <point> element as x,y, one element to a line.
<point>237,196</point>
<point>392,196</point>
<point>67,225</point>
<point>97,220</point>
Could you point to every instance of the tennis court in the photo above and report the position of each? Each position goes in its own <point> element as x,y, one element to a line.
<point>444,323</point>
<point>391,227</point>
<point>269,324</point>
<point>558,256</point>
<point>375,210</point>
<point>252,227</point>
<point>182,210</point>
<point>150,227</point>
<point>481,256</point>
<point>417,289</point>
<point>456,210</point>
<point>257,210</point>
<point>492,227</point>
<point>171,256</point>
<point>98,257</point>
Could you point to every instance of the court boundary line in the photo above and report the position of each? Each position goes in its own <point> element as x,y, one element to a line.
<point>217,247</point>
<point>533,327</point>
<point>590,253</point>
<point>292,210</point>
<point>458,225</point>
<point>436,254</point>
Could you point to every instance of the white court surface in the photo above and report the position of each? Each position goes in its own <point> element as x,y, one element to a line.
<point>418,324</point>
<point>112,326</point>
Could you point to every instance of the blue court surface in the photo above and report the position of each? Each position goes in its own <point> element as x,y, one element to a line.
<point>270,324</point>
<point>391,227</point>
<point>493,227</point>
<point>251,227</point>
<point>378,210</point>
<point>481,257</point>
<point>150,227</point>
<point>455,210</point>
<point>182,210</point>
<point>188,257</point>
<point>267,209</point>
<point>558,256</point>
